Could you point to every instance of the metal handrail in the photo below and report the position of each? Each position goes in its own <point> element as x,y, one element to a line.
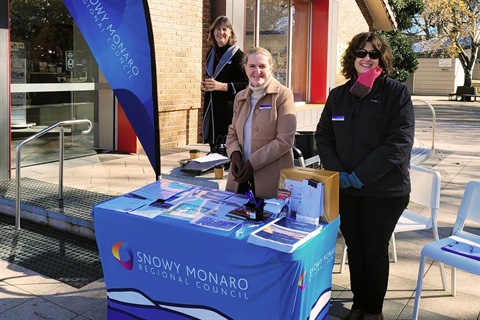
<point>434,119</point>
<point>61,151</point>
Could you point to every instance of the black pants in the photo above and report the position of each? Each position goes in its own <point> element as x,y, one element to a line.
<point>367,223</point>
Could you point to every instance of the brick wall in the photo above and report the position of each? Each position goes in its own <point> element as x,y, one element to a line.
<point>350,22</point>
<point>178,28</point>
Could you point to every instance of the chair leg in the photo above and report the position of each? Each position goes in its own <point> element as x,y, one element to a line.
<point>418,290</point>
<point>393,247</point>
<point>442,274</point>
<point>344,256</point>
<point>454,281</point>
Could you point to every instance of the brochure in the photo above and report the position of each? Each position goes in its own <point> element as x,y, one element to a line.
<point>218,218</point>
<point>125,203</point>
<point>213,222</point>
<point>311,206</point>
<point>463,249</point>
<point>284,234</point>
<point>163,190</point>
<point>153,209</point>
<point>189,209</point>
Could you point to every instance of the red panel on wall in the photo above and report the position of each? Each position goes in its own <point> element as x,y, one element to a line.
<point>318,92</point>
<point>127,140</point>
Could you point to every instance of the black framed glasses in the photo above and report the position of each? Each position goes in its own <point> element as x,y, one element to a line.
<point>373,54</point>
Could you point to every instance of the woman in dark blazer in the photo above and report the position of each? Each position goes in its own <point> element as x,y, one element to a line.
<point>224,77</point>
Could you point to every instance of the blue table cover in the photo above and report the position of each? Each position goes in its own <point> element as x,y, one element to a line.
<point>165,268</point>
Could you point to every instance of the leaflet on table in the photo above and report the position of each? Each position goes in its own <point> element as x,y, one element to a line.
<point>310,208</point>
<point>277,207</point>
<point>463,249</point>
<point>284,234</point>
<point>189,208</point>
<point>218,218</point>
<point>207,193</point>
<point>293,190</point>
<point>211,157</point>
<point>274,208</point>
<point>162,190</point>
<point>236,199</point>
<point>152,209</point>
<point>125,203</point>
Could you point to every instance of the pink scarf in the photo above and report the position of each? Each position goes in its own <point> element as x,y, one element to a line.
<point>364,82</point>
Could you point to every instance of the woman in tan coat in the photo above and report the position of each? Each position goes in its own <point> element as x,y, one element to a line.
<point>261,136</point>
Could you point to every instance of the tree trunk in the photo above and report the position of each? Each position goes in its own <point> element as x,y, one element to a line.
<point>469,64</point>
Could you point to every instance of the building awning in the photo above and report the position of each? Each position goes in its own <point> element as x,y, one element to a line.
<point>378,14</point>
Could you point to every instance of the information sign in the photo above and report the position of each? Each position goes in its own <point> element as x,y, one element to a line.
<point>69,60</point>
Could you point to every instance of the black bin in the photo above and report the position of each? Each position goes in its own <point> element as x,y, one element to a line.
<point>305,141</point>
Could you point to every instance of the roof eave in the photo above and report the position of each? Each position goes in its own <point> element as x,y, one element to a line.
<point>378,14</point>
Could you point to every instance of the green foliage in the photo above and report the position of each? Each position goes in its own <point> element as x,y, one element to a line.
<point>405,10</point>
<point>405,59</point>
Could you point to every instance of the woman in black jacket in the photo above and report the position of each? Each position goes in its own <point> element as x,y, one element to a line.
<point>224,77</point>
<point>366,133</point>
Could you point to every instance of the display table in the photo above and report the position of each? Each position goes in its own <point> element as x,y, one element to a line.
<point>166,268</point>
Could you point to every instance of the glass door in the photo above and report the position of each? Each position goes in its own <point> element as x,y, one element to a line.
<point>54,77</point>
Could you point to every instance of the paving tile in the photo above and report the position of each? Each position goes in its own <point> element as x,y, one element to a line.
<point>38,309</point>
<point>12,296</point>
<point>80,300</point>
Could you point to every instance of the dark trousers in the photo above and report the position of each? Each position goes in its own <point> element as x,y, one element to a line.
<point>367,223</point>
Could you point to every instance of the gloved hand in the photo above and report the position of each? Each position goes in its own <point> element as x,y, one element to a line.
<point>236,163</point>
<point>344,183</point>
<point>245,172</point>
<point>354,181</point>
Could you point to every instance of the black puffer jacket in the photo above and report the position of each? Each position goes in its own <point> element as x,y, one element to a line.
<point>372,136</point>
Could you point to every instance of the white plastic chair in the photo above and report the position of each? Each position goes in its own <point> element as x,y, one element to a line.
<point>469,211</point>
<point>425,192</point>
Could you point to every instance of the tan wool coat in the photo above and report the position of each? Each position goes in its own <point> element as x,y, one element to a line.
<point>274,124</point>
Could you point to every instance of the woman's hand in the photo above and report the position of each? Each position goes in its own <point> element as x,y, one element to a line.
<point>236,163</point>
<point>210,84</point>
<point>245,173</point>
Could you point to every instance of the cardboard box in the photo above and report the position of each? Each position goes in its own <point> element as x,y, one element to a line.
<point>329,179</point>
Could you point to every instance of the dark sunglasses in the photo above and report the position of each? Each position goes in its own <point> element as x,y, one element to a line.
<point>362,53</point>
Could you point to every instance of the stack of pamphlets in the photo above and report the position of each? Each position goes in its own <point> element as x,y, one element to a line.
<point>284,234</point>
<point>311,205</point>
<point>463,249</point>
<point>217,218</point>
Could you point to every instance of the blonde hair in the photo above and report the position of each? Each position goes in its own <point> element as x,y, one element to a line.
<point>259,50</point>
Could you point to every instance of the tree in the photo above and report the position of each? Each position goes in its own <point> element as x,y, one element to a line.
<point>452,27</point>
<point>405,59</point>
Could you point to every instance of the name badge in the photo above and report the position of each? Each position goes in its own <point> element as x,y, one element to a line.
<point>338,118</point>
<point>265,106</point>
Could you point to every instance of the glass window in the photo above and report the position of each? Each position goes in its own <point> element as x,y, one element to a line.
<point>250,24</point>
<point>274,34</point>
<point>283,28</point>
<point>43,33</point>
<point>53,79</point>
<point>300,48</point>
